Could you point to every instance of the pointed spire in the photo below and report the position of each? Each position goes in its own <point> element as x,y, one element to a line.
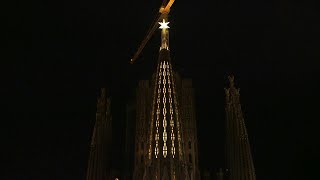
<point>100,148</point>
<point>239,158</point>
<point>231,81</point>
<point>165,136</point>
<point>164,33</point>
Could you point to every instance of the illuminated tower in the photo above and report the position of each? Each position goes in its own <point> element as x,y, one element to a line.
<point>165,148</point>
<point>100,149</point>
<point>160,149</point>
<point>239,158</point>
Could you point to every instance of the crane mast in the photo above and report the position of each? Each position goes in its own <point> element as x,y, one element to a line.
<point>163,15</point>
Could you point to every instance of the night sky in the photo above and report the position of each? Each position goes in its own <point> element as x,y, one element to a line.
<point>60,53</point>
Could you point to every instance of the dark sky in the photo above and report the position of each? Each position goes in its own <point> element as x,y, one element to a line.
<point>61,52</point>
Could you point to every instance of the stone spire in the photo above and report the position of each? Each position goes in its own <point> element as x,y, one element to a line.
<point>164,33</point>
<point>239,158</point>
<point>165,158</point>
<point>100,148</point>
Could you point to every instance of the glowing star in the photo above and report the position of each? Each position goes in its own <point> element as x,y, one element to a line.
<point>164,24</point>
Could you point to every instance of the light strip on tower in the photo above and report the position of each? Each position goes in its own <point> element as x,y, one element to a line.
<point>164,90</point>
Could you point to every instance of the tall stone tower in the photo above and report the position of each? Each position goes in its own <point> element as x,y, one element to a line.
<point>165,139</point>
<point>239,158</point>
<point>143,108</point>
<point>188,115</point>
<point>100,148</point>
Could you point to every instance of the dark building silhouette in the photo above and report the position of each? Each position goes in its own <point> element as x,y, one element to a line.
<point>206,175</point>
<point>128,151</point>
<point>99,164</point>
<point>239,159</point>
<point>220,174</point>
<point>167,98</point>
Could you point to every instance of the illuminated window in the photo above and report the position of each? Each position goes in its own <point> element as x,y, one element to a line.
<point>156,151</point>
<point>165,151</point>
<point>173,151</point>
<point>165,137</point>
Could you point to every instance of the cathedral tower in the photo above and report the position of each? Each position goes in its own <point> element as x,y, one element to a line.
<point>165,141</point>
<point>239,158</point>
<point>100,148</point>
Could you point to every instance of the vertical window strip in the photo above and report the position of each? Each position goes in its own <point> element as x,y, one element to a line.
<point>158,113</point>
<point>172,137</point>
<point>164,112</point>
<point>150,140</point>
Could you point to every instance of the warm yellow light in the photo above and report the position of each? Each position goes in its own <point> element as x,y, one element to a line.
<point>164,24</point>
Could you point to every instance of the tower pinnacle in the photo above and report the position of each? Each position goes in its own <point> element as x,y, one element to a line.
<point>164,34</point>
<point>231,81</point>
<point>164,24</point>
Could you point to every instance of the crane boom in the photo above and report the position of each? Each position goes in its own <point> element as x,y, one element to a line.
<point>146,39</point>
<point>164,11</point>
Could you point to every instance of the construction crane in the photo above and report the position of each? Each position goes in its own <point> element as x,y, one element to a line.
<point>163,14</point>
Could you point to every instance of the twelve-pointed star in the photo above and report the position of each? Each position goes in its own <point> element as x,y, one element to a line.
<point>164,24</point>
